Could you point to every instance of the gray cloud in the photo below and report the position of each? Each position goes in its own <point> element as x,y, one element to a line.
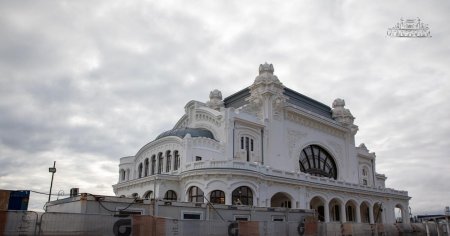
<point>85,83</point>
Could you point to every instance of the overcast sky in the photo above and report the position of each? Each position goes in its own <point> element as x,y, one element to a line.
<point>84,83</point>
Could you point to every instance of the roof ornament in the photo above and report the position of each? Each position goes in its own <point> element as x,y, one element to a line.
<point>215,100</point>
<point>266,74</point>
<point>266,68</point>
<point>343,115</point>
<point>266,99</point>
<point>362,146</point>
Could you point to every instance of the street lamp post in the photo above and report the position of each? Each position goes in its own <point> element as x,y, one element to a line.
<point>51,170</point>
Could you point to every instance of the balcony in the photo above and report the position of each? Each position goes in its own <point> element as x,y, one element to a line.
<point>267,170</point>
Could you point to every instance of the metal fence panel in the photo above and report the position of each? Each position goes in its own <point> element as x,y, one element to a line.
<point>18,223</point>
<point>84,224</point>
<point>15,223</point>
<point>149,226</point>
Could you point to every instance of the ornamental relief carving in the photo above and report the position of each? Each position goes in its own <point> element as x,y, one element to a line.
<point>291,116</point>
<point>202,116</point>
<point>254,105</point>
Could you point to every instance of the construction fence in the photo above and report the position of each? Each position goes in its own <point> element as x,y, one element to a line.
<point>25,223</point>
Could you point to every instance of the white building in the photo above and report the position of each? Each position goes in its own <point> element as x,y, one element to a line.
<point>265,146</point>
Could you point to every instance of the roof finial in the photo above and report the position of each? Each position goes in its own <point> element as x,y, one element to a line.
<point>266,68</point>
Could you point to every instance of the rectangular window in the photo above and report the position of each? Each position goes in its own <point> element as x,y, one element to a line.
<point>278,218</point>
<point>197,158</point>
<point>251,145</point>
<point>191,215</point>
<point>242,142</point>
<point>241,217</point>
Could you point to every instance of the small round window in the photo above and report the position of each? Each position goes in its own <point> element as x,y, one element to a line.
<point>316,161</point>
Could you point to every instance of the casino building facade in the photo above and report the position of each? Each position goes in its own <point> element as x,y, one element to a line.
<point>265,146</point>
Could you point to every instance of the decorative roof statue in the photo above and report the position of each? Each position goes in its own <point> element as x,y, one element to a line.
<point>266,74</point>
<point>343,115</point>
<point>215,100</point>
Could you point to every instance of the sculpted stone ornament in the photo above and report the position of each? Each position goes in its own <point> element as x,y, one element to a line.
<point>343,115</point>
<point>266,95</point>
<point>215,100</point>
<point>266,74</point>
<point>362,146</point>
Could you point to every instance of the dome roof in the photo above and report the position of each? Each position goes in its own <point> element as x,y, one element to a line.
<point>181,132</point>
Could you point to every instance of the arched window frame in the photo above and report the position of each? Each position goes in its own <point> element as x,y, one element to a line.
<point>170,195</point>
<point>217,197</point>
<point>176,164</point>
<point>168,160</point>
<point>148,195</point>
<point>122,174</point>
<point>247,144</point>
<point>140,170</point>
<point>365,175</point>
<point>146,167</point>
<point>153,158</point>
<point>317,161</point>
<point>242,195</point>
<point>160,162</point>
<point>195,194</point>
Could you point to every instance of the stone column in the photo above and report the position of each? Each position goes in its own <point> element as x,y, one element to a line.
<point>371,216</point>
<point>228,198</point>
<point>358,214</point>
<point>326,211</point>
<point>343,214</point>
<point>405,215</point>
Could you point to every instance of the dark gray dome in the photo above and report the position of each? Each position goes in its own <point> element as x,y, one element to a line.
<point>194,132</point>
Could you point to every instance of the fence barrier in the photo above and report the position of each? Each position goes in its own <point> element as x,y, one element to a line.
<point>27,223</point>
<point>18,223</point>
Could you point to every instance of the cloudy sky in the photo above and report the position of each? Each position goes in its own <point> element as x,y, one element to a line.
<point>84,83</point>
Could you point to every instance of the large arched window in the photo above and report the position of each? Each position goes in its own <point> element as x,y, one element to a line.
<point>316,161</point>
<point>217,196</point>
<point>170,195</point>
<point>242,196</point>
<point>146,167</point>
<point>140,170</point>
<point>195,194</point>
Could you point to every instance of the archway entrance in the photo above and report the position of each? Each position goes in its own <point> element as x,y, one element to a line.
<point>335,210</point>
<point>364,211</point>
<point>242,196</point>
<point>281,200</point>
<point>317,203</point>
<point>377,213</point>
<point>350,211</point>
<point>398,211</point>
